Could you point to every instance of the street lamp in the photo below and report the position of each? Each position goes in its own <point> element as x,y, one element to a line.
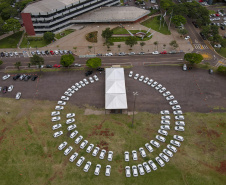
<point>135,94</point>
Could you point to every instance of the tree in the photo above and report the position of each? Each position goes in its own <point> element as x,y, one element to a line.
<point>131,41</point>
<point>142,44</point>
<point>48,36</point>
<point>37,60</point>
<point>1,62</point>
<point>174,44</point>
<point>178,20</point>
<point>93,62</point>
<point>109,43</point>
<point>119,46</point>
<point>193,58</point>
<point>166,4</point>
<point>206,31</point>
<point>182,31</point>
<point>217,38</point>
<point>17,65</point>
<point>107,33</point>
<point>11,25</point>
<point>221,69</point>
<point>156,44</point>
<point>67,60</point>
<point>6,11</point>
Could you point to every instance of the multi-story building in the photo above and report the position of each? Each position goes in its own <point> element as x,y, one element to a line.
<point>55,15</point>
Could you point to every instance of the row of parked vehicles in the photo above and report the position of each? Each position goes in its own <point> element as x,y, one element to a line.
<point>140,53</point>
<point>9,54</point>
<point>24,77</point>
<point>47,52</point>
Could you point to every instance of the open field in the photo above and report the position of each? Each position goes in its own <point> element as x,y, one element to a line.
<point>11,41</point>
<point>64,33</point>
<point>221,51</point>
<point>33,42</point>
<point>29,153</point>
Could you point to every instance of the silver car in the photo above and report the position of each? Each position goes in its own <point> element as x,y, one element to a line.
<point>175,143</point>
<point>71,127</point>
<point>73,157</point>
<point>73,134</point>
<point>56,126</point>
<point>160,161</point>
<point>178,138</point>
<point>108,170</point>
<point>140,169</point>
<point>171,97</point>
<point>180,123</point>
<point>110,155</point>
<point>160,138</point>
<point>102,154</point>
<point>172,148</point>
<point>97,169</point>
<point>152,165</point>
<point>146,167</point>
<point>127,170</point>
<point>83,144</point>
<point>167,152</point>
<point>163,132</point>
<point>142,152</point>
<point>95,151</point>
<point>134,170</point>
<point>89,148</point>
<point>80,161</point>
<point>179,128</point>
<point>149,148</point>
<point>78,139</point>
<point>126,153</point>
<point>87,166</point>
<point>68,150</point>
<point>155,143</point>
<point>134,154</point>
<point>164,157</point>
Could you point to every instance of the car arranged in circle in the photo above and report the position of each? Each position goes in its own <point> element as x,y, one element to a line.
<point>165,122</point>
<point>91,80</point>
<point>126,153</point>
<point>10,88</point>
<point>61,103</point>
<point>171,97</point>
<point>167,93</point>
<point>179,128</point>
<point>127,171</point>
<point>163,89</point>
<point>134,154</point>
<point>110,155</point>
<point>71,127</point>
<point>80,161</point>
<point>140,169</point>
<point>130,74</point>
<point>78,139</point>
<point>73,134</point>
<point>62,145</point>
<point>146,80</point>
<point>102,154</point>
<point>134,170</point>
<point>164,157</point>
<point>136,76</point>
<point>146,167</point>
<point>108,170</point>
<point>152,165</point>
<point>179,138</point>
<point>59,107</point>
<point>160,138</point>
<point>87,166</point>
<point>56,126</point>
<point>150,81</point>
<point>68,150</point>
<point>175,143</point>
<point>73,157</point>
<point>89,148</point>
<point>69,121</point>
<point>55,113</point>
<point>95,77</point>
<point>154,84</point>
<point>97,169</point>
<point>172,148</point>
<point>57,134</point>
<point>160,161</point>
<point>149,147</point>
<point>155,143</point>
<point>167,152</point>
<point>180,123</point>
<point>165,127</point>
<point>64,98</point>
<point>163,132</point>
<point>56,118</point>
<point>70,115</point>
<point>142,152</point>
<point>95,151</point>
<point>177,112</point>
<point>83,144</point>
<point>173,102</point>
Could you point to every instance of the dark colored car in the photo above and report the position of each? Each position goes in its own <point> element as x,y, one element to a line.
<point>2,54</point>
<point>70,52</point>
<point>203,36</point>
<point>16,77</point>
<point>34,78</point>
<point>222,27</point>
<point>210,71</point>
<point>88,73</point>
<point>49,66</point>
<point>27,77</point>
<point>100,69</point>
<point>47,52</point>
<point>4,90</point>
<point>195,24</point>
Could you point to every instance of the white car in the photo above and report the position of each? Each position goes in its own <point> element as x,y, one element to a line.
<point>155,53</point>
<point>73,157</point>
<point>167,152</point>
<point>155,143</point>
<point>83,144</point>
<point>61,103</point>
<point>62,145</point>
<point>67,93</point>
<point>130,74</point>
<point>56,52</point>
<point>180,123</point>
<point>68,150</point>
<point>56,118</point>
<point>179,128</point>
<point>187,37</point>
<point>179,138</point>
<point>136,76</point>
<point>95,77</point>
<point>134,154</point>
<point>109,54</point>
<point>6,77</point>
<point>164,157</point>
<point>175,143</point>
<point>80,161</point>
<point>165,122</point>
<point>78,139</point>
<point>140,169</point>
<point>70,115</point>
<point>177,112</point>
<point>158,86</point>
<point>176,107</point>
<point>127,170</point>
<point>154,84</point>
<point>108,170</point>
<point>163,89</point>
<point>91,80</point>
<point>95,151</point>
<point>126,153</point>
<point>85,81</point>
<point>146,80</point>
<point>87,166</point>
<point>164,112</point>
<point>73,134</point>
<point>180,117</point>
<point>82,84</point>
<point>78,85</point>
<point>173,102</point>
<point>135,172</point>
<point>64,98</point>
<point>102,154</point>
<point>150,81</point>
<point>172,148</point>
<point>171,97</point>
<point>142,152</point>
<point>165,127</point>
<point>57,134</point>
<point>71,127</point>
<point>163,132</point>
<point>167,93</point>
<point>69,121</point>
<point>89,148</point>
<point>110,155</point>
<point>160,161</point>
<point>152,165</point>
<point>165,117</point>
<point>56,126</point>
<point>55,113</point>
<point>10,88</point>
<point>18,95</point>
<point>97,169</point>
<point>160,138</point>
<point>59,107</point>
<point>146,167</point>
<point>149,148</point>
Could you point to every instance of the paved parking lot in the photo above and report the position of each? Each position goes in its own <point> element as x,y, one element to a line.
<point>196,90</point>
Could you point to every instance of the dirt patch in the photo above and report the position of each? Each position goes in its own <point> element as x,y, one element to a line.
<point>222,167</point>
<point>3,120</point>
<point>209,133</point>
<point>120,170</point>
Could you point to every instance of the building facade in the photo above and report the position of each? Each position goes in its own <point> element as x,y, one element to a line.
<point>56,15</point>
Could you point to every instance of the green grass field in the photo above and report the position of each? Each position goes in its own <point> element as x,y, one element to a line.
<point>221,51</point>
<point>154,23</point>
<point>35,42</point>
<point>11,41</point>
<point>29,153</point>
<point>63,34</point>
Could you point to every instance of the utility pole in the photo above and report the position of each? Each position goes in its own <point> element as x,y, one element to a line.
<point>135,94</point>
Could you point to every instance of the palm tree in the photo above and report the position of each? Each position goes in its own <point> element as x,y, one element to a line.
<point>142,44</point>
<point>17,65</point>
<point>156,44</point>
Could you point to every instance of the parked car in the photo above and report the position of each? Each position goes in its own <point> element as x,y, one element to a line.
<point>179,128</point>
<point>110,155</point>
<point>73,157</point>
<point>163,89</point>
<point>154,84</point>
<point>179,138</point>
<point>141,53</point>
<point>177,112</point>
<point>135,172</point>
<point>167,152</point>
<point>146,80</point>
<point>164,157</point>
<point>62,145</point>
<point>158,87</point>
<point>165,122</point>
<point>108,170</point>
<point>163,52</point>
<point>89,148</point>
<point>34,77</point>
<point>172,148</point>
<point>71,127</point>
<point>142,152</point>
<point>78,139</point>
<point>136,76</point>
<point>160,161</point>
<point>149,148</point>
<point>102,154</point>
<point>16,77</point>
<point>134,154</point>
<point>59,107</point>
<point>80,161</point>
<point>131,53</point>
<point>165,127</point>
<point>88,73</point>
<point>56,66</point>
<point>64,98</point>
<point>163,132</point>
<point>91,80</point>
<point>187,37</point>
<point>97,169</point>
<point>180,123</point>
<point>127,171</point>
<point>160,138</point>
<point>83,144</point>
<point>185,67</point>
<point>126,153</point>
<point>176,107</point>
<point>95,151</point>
<point>130,74</point>
<point>56,118</point>
<point>95,77</point>
<point>27,77</point>
<point>5,77</point>
<point>18,95</point>
<point>141,78</point>
<point>175,143</point>
<point>70,115</point>
<point>165,117</point>
<point>171,97</point>
<point>180,117</point>
<point>121,54</point>
<point>10,88</point>
<point>173,102</point>
<point>152,165</point>
<point>68,150</point>
<point>155,53</point>
<point>73,134</point>
<point>164,112</point>
<point>150,81</point>
<point>87,166</point>
<point>167,93</point>
<point>140,169</point>
<point>85,81</point>
<point>155,143</point>
<point>69,121</point>
<point>109,54</point>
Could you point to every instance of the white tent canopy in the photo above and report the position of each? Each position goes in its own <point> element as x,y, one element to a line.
<point>115,91</point>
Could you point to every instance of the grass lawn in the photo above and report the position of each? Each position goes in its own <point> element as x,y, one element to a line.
<point>221,51</point>
<point>29,153</point>
<point>63,34</point>
<point>154,23</point>
<point>212,11</point>
<point>11,41</point>
<point>35,42</point>
<point>119,30</point>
